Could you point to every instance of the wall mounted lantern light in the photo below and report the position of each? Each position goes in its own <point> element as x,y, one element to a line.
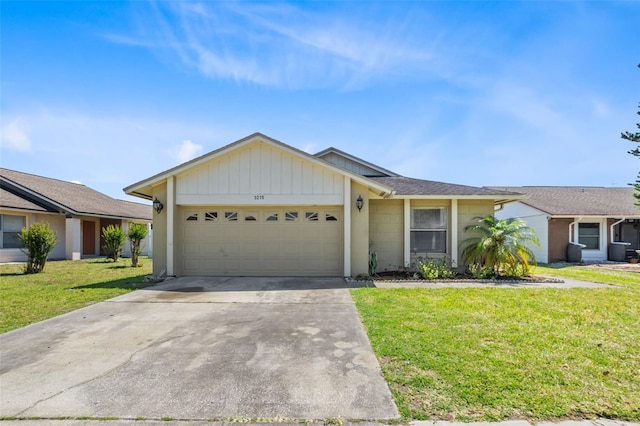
<point>359,202</point>
<point>157,205</point>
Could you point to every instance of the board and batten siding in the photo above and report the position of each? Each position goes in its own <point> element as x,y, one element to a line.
<point>387,233</point>
<point>259,174</point>
<point>350,165</point>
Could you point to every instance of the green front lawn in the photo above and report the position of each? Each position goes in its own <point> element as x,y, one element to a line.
<point>62,287</point>
<point>481,354</point>
<point>590,273</point>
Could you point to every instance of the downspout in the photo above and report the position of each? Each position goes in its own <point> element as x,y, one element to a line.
<point>571,227</point>
<point>611,231</point>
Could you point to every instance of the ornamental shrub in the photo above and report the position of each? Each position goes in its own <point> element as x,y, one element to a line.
<point>38,240</point>
<point>431,269</point>
<point>137,233</point>
<point>114,238</point>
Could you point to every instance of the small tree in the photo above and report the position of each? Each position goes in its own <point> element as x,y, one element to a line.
<point>114,238</point>
<point>38,240</point>
<point>634,137</point>
<point>501,246</point>
<point>137,233</point>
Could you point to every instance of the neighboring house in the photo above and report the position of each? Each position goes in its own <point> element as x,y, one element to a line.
<point>261,207</point>
<point>75,212</point>
<point>593,217</point>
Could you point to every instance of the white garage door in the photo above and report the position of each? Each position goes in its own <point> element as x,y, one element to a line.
<point>290,241</point>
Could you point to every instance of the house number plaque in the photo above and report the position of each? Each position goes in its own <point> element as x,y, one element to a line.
<point>258,197</point>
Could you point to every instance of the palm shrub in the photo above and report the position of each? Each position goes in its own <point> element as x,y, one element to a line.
<point>114,238</point>
<point>137,233</point>
<point>501,246</point>
<point>38,240</point>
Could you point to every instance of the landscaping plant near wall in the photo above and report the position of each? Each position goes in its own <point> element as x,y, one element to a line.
<point>137,233</point>
<point>38,240</point>
<point>501,247</point>
<point>114,238</point>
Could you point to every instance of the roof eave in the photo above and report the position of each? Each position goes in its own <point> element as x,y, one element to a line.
<point>143,189</point>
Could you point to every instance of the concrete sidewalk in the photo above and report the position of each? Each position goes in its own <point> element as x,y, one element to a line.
<point>285,422</point>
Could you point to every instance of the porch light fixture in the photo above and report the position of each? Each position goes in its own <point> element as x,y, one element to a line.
<point>359,202</point>
<point>157,205</point>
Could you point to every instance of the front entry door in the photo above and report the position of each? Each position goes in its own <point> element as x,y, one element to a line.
<point>88,237</point>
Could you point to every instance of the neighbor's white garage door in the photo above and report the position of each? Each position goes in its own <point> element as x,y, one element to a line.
<point>262,241</point>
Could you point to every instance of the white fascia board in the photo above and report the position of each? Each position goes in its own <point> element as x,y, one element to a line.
<point>161,177</point>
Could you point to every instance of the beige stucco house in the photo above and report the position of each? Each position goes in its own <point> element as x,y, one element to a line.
<point>75,212</point>
<point>259,207</point>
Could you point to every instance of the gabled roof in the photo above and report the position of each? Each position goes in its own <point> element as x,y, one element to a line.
<point>379,170</point>
<point>10,200</point>
<point>428,188</point>
<point>579,200</point>
<point>53,195</point>
<point>144,188</point>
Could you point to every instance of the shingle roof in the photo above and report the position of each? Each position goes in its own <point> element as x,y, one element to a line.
<point>579,200</point>
<point>12,201</point>
<point>409,186</point>
<point>72,197</point>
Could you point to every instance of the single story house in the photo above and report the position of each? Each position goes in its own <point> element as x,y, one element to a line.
<point>603,222</point>
<point>260,207</point>
<point>75,212</point>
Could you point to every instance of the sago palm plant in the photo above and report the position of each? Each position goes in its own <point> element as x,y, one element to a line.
<point>502,246</point>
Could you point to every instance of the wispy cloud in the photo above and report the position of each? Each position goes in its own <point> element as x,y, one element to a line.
<point>282,45</point>
<point>186,151</point>
<point>15,137</point>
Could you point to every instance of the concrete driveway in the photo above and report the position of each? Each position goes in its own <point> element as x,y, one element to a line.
<point>200,348</point>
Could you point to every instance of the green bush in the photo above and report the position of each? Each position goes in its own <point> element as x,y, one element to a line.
<point>39,240</point>
<point>114,238</point>
<point>137,233</point>
<point>479,271</point>
<point>431,269</point>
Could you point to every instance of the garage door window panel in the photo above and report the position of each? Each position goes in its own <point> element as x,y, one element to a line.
<point>210,216</point>
<point>192,217</point>
<point>291,216</point>
<point>231,216</point>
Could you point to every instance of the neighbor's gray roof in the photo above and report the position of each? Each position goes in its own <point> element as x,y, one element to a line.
<point>579,200</point>
<point>12,201</point>
<point>68,197</point>
<point>409,186</point>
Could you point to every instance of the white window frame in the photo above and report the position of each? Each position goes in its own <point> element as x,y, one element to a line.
<point>598,235</point>
<point>443,227</point>
<point>2,229</point>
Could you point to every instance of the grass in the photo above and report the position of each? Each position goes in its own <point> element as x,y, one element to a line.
<point>488,354</point>
<point>62,287</point>
<point>590,273</point>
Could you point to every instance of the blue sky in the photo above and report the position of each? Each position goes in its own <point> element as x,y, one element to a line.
<point>477,93</point>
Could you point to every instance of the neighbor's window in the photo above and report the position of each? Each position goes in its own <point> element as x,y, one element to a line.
<point>589,235</point>
<point>429,230</point>
<point>10,227</point>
